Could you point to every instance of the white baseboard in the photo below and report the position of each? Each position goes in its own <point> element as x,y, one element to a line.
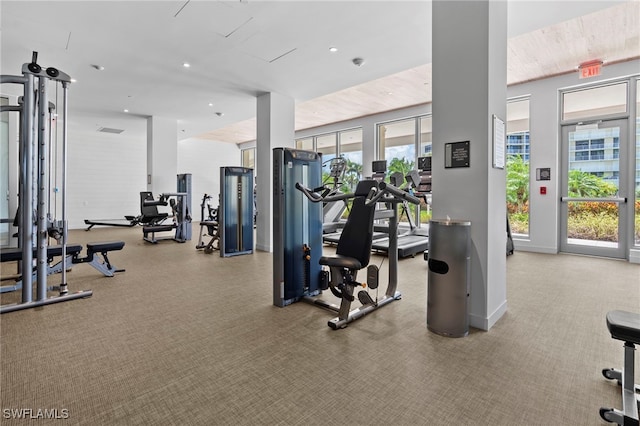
<point>485,324</point>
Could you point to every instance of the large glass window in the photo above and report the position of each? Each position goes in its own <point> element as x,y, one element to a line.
<point>397,145</point>
<point>517,166</point>
<point>425,136</point>
<point>249,158</point>
<point>346,144</point>
<point>350,148</point>
<point>327,146</point>
<point>306,144</point>
<point>595,102</point>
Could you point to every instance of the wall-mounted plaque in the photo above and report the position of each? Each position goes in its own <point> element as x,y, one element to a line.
<point>543,173</point>
<point>456,154</point>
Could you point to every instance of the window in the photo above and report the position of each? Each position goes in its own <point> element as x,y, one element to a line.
<point>425,136</point>
<point>517,166</point>
<point>350,147</point>
<point>306,144</point>
<point>249,158</point>
<point>598,101</point>
<point>582,155</point>
<point>345,143</point>
<point>397,145</point>
<point>580,145</point>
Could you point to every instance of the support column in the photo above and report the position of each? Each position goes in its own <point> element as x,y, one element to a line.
<point>275,128</point>
<point>162,155</point>
<point>469,87</point>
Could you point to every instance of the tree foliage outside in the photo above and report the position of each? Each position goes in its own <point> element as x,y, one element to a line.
<point>518,193</point>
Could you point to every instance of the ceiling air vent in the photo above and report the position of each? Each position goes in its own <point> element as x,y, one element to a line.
<point>110,130</point>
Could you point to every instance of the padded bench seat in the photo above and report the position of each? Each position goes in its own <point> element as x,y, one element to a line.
<point>340,262</point>
<point>12,254</point>
<point>158,228</point>
<point>105,246</point>
<point>624,326</point>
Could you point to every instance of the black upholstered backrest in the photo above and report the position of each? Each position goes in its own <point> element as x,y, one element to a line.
<point>357,235</point>
<point>150,211</point>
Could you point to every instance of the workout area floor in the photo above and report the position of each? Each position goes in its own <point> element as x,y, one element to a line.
<point>187,338</point>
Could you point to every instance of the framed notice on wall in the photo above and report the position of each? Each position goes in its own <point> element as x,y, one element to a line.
<point>498,142</point>
<point>456,154</point>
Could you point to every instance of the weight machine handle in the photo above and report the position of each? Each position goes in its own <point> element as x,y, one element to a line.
<point>316,198</point>
<point>385,188</point>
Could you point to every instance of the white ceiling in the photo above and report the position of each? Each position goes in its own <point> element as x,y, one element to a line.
<point>240,49</point>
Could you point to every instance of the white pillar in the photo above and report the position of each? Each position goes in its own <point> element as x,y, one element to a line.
<point>162,155</point>
<point>275,128</point>
<point>469,87</point>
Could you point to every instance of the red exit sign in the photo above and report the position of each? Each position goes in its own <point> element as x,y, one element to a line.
<point>590,69</point>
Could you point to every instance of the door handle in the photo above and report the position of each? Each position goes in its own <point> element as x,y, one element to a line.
<point>619,200</point>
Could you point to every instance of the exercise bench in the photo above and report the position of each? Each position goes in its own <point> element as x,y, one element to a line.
<point>624,326</point>
<point>15,254</point>
<point>101,264</point>
<point>93,258</point>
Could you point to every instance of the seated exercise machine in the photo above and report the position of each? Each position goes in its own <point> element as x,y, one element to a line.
<point>298,259</point>
<point>96,256</point>
<point>180,203</point>
<point>624,326</point>
<point>208,226</point>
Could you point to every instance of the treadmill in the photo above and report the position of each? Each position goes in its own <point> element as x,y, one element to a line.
<point>413,240</point>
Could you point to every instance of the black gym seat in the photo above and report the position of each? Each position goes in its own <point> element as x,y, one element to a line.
<point>14,254</point>
<point>354,247</point>
<point>149,214</point>
<point>624,326</point>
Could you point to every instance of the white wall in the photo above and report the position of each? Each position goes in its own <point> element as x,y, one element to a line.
<point>105,174</point>
<point>203,160</point>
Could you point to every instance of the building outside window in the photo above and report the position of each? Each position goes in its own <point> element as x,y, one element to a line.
<point>517,166</point>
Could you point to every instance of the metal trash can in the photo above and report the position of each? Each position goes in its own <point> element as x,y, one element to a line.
<point>449,277</point>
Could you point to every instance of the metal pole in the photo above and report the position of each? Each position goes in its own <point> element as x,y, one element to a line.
<point>63,283</point>
<point>26,191</point>
<point>43,188</point>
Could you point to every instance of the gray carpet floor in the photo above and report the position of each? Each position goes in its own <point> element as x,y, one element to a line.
<point>187,338</point>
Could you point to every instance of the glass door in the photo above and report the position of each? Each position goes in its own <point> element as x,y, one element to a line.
<point>594,189</point>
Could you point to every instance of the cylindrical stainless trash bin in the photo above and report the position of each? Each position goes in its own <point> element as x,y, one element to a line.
<point>449,277</point>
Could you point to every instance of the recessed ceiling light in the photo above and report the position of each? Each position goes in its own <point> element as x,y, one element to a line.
<point>126,110</point>
<point>186,65</point>
<point>333,49</point>
<point>210,104</point>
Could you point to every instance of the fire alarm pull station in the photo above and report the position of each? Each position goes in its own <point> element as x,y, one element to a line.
<point>543,190</point>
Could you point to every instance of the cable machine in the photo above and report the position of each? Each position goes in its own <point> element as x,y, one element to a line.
<point>35,171</point>
<point>235,212</point>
